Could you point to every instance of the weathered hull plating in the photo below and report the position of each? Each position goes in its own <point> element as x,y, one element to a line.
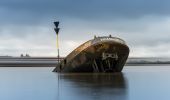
<point>102,54</point>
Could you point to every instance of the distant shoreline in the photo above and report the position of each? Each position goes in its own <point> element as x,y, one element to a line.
<point>52,62</point>
<point>146,64</point>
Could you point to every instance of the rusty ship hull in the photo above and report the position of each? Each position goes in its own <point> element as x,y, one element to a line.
<point>101,54</point>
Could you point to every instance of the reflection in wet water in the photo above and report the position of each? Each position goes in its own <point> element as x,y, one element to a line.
<point>92,86</point>
<point>135,83</point>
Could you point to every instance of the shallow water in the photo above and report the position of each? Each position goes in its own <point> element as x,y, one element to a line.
<point>40,83</point>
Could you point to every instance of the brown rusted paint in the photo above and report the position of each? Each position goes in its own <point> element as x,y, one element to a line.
<point>81,59</point>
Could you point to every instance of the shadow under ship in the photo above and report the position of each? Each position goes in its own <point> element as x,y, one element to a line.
<point>101,54</point>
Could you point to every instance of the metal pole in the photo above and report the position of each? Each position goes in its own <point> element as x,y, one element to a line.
<point>58,49</point>
<point>57,31</point>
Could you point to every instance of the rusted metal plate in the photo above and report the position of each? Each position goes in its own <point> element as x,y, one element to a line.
<point>101,54</point>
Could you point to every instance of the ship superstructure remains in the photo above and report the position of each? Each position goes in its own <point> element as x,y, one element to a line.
<point>101,54</point>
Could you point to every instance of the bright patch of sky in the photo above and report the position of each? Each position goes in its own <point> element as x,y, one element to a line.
<point>27,26</point>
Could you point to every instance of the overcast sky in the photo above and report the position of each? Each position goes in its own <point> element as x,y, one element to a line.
<point>26,26</point>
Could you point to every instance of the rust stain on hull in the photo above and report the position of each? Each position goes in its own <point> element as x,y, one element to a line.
<point>101,54</point>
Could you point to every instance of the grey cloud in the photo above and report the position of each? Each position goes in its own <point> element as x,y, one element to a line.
<point>139,22</point>
<point>36,11</point>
